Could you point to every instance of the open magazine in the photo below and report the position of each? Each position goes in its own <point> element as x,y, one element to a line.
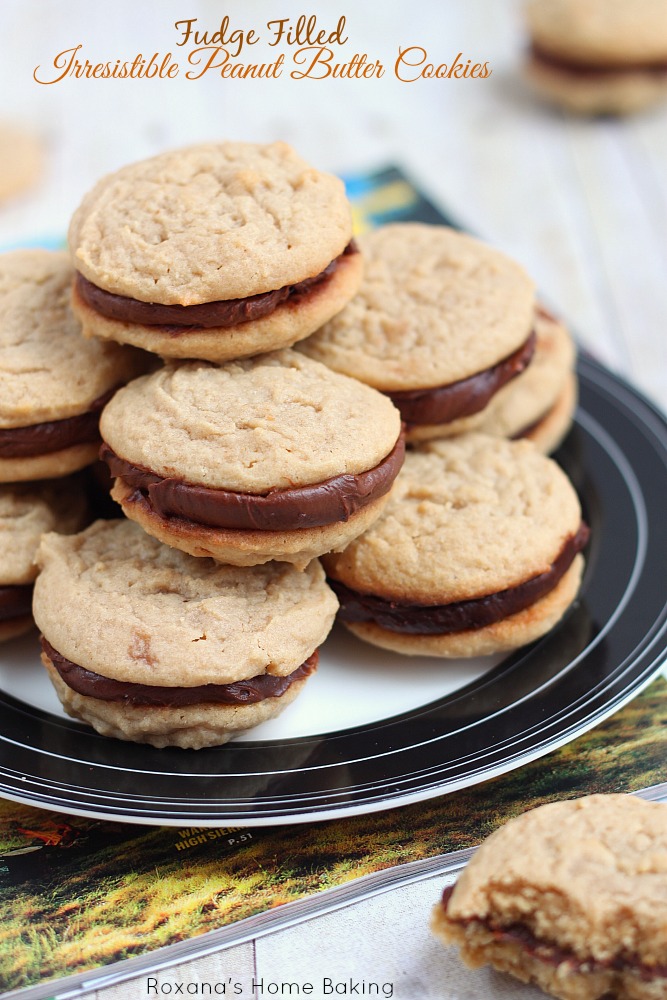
<point>86,902</point>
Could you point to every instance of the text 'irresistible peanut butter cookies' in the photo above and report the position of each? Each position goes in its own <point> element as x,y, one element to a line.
<point>27,510</point>
<point>598,56</point>
<point>217,251</point>
<point>475,553</point>
<point>440,323</point>
<point>148,644</point>
<point>274,457</point>
<point>53,383</point>
<point>571,896</point>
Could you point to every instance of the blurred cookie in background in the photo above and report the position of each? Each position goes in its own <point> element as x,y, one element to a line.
<point>598,56</point>
<point>21,160</point>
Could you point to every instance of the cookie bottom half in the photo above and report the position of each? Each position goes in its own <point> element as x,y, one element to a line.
<point>564,979</point>
<point>289,323</point>
<point>607,94</point>
<point>51,465</point>
<point>510,633</point>
<point>190,727</point>
<point>549,432</point>
<point>245,548</point>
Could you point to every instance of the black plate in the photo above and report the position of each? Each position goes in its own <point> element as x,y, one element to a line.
<point>610,646</point>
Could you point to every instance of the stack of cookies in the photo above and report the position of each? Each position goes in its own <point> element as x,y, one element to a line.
<point>291,364</point>
<point>53,386</point>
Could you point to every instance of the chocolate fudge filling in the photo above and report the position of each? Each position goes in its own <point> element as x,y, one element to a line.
<point>245,692</point>
<point>554,954</point>
<point>224,313</point>
<point>442,404</point>
<point>331,501</point>
<point>459,616</point>
<point>585,69</point>
<point>54,435</point>
<point>15,601</point>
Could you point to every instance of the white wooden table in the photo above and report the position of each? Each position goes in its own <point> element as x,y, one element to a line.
<point>582,204</point>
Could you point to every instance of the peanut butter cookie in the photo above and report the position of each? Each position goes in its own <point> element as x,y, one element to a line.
<point>146,643</point>
<point>440,323</point>
<point>53,383</point>
<point>598,56</point>
<point>218,251</point>
<point>274,457</point>
<point>571,896</point>
<point>475,553</point>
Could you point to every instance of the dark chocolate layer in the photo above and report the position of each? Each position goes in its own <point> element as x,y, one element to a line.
<point>586,69</point>
<point>554,954</point>
<point>331,501</point>
<point>459,616</point>
<point>15,601</point>
<point>445,403</point>
<point>246,692</point>
<point>54,435</point>
<point>224,313</point>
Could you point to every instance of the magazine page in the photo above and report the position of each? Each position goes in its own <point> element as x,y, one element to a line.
<point>78,897</point>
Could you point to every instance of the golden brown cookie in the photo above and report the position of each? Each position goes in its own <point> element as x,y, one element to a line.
<point>274,457</point>
<point>27,510</point>
<point>53,383</point>
<point>571,896</point>
<point>218,251</point>
<point>475,553</point>
<point>440,323</point>
<point>598,56</point>
<point>146,643</point>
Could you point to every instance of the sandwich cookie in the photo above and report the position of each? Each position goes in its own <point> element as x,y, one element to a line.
<point>217,251</point>
<point>274,457</point>
<point>148,644</point>
<point>598,56</point>
<point>441,322</point>
<point>539,405</point>
<point>477,552</point>
<point>27,510</point>
<point>571,896</point>
<point>53,383</point>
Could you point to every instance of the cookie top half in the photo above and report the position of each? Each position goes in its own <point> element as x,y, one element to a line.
<point>588,874</point>
<point>48,370</point>
<point>275,421</point>
<point>469,516</point>
<point>210,222</point>
<point>435,306</point>
<point>600,31</point>
<point>114,600</point>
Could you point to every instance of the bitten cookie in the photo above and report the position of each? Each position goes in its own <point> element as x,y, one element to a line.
<point>274,457</point>
<point>538,405</point>
<point>148,644</point>
<point>598,56</point>
<point>217,251</point>
<point>440,323</point>
<point>26,512</point>
<point>571,896</point>
<point>475,553</point>
<point>53,383</point>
